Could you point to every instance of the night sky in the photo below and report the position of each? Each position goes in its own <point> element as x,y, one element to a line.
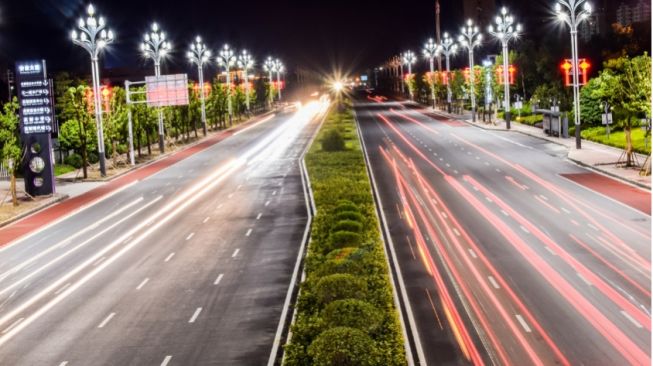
<point>317,35</point>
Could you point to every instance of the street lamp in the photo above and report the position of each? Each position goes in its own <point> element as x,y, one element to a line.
<point>268,66</point>
<point>573,14</point>
<point>227,59</point>
<point>246,62</point>
<point>200,55</point>
<point>94,38</point>
<point>504,32</point>
<point>448,48</point>
<point>409,59</point>
<point>431,51</point>
<point>278,68</point>
<point>156,47</point>
<point>470,38</point>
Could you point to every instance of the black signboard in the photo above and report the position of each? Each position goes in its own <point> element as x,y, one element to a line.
<point>36,122</point>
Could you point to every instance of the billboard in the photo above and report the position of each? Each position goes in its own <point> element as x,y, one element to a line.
<point>166,90</point>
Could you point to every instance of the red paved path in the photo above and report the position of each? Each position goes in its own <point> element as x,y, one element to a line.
<point>33,222</point>
<point>624,193</point>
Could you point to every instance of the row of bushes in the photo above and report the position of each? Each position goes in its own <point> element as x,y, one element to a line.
<point>345,310</point>
<point>618,139</point>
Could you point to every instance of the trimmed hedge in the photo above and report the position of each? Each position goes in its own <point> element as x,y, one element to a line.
<point>345,310</point>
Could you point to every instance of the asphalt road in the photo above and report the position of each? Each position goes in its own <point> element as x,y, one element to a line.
<point>506,261</point>
<point>190,266</point>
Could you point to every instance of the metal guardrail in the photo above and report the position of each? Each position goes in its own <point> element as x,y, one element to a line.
<point>4,174</point>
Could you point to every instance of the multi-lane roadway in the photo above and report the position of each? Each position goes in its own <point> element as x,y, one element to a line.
<point>507,253</point>
<point>191,265</point>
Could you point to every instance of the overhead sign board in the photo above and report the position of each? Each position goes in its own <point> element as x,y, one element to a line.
<point>167,90</point>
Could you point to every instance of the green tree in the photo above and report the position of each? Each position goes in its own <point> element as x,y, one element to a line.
<point>10,147</point>
<point>81,137</point>
<point>115,123</point>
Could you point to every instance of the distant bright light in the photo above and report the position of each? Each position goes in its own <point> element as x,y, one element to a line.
<point>338,86</point>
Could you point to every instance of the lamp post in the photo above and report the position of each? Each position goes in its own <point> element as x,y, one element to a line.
<point>227,59</point>
<point>574,12</point>
<point>470,38</point>
<point>200,55</point>
<point>268,66</point>
<point>156,47</point>
<point>409,59</point>
<point>448,48</point>
<point>400,61</point>
<point>94,38</point>
<point>246,62</point>
<point>278,68</point>
<point>504,32</point>
<point>431,51</point>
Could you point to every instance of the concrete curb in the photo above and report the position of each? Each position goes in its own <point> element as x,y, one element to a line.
<point>34,210</point>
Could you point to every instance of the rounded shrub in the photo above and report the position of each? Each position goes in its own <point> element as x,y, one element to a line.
<point>93,157</point>
<point>349,215</point>
<point>344,260</point>
<point>354,314</point>
<point>342,239</point>
<point>340,286</point>
<point>333,141</point>
<point>343,346</point>
<point>74,160</point>
<point>348,225</point>
<point>346,206</point>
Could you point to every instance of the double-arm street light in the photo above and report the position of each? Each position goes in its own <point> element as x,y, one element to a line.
<point>246,62</point>
<point>227,59</point>
<point>200,55</point>
<point>278,68</point>
<point>94,37</point>
<point>156,47</point>
<point>573,13</point>
<point>448,48</point>
<point>408,58</point>
<point>504,32</point>
<point>470,38</point>
<point>431,51</point>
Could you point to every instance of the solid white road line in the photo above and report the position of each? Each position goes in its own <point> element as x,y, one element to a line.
<point>249,232</point>
<point>523,323</point>
<point>217,280</point>
<point>235,253</point>
<point>635,322</point>
<point>206,220</point>
<point>493,282</point>
<point>258,217</point>
<point>169,257</point>
<point>106,320</point>
<point>140,286</point>
<point>195,315</point>
<point>190,236</point>
<point>166,360</point>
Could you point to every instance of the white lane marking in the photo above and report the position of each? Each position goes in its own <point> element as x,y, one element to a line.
<point>140,286</point>
<point>478,157</point>
<point>523,323</point>
<point>441,159</point>
<point>504,213</point>
<point>220,206</point>
<point>61,289</point>
<point>635,322</point>
<point>455,231</point>
<point>195,315</point>
<point>168,184</point>
<point>267,203</point>
<point>448,165</point>
<point>166,360</point>
<point>231,195</point>
<point>258,217</point>
<point>493,282</point>
<point>550,250</point>
<point>444,214</point>
<point>475,188</point>
<point>106,320</point>
<point>593,227</point>
<point>190,236</point>
<point>584,279</point>
<point>249,232</point>
<point>471,252</point>
<point>435,154</point>
<point>235,253</point>
<point>99,261</point>
<point>239,187</point>
<point>169,257</point>
<point>498,170</point>
<point>565,210</point>
<point>544,197</point>
<point>63,363</point>
<point>206,220</point>
<point>127,240</point>
<point>274,193</point>
<point>455,171</point>
<point>13,325</point>
<point>524,229</point>
<point>488,199</point>
<point>217,280</point>
<point>487,164</point>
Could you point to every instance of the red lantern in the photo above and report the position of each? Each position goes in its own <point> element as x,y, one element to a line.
<point>583,68</point>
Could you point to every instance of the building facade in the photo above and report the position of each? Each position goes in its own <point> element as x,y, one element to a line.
<point>635,13</point>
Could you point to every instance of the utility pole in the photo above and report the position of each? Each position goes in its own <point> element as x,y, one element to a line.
<point>437,31</point>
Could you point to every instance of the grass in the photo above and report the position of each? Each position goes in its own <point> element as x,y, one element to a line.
<point>345,265</point>
<point>618,138</point>
<point>60,169</point>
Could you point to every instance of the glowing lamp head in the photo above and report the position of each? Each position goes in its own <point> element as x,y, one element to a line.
<point>338,86</point>
<point>90,10</point>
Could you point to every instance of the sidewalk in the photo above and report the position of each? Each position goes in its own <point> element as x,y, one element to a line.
<point>71,197</point>
<point>595,156</point>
